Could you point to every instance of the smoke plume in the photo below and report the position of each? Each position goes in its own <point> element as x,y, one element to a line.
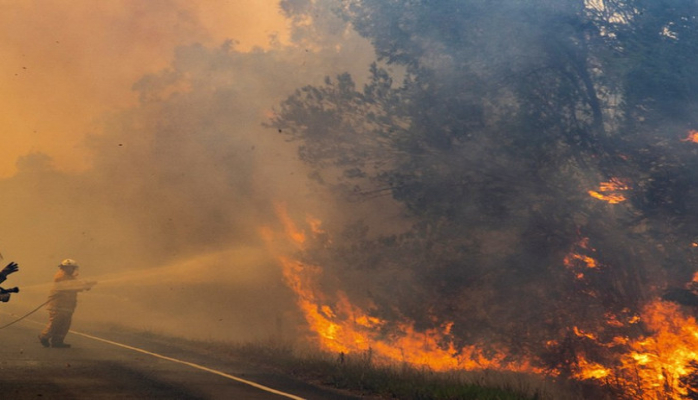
<point>166,210</point>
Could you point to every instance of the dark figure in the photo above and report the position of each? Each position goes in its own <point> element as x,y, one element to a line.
<point>61,304</point>
<point>10,268</point>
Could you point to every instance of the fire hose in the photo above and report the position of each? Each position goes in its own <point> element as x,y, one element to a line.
<point>25,315</point>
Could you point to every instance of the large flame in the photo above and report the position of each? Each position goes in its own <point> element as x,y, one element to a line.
<point>651,365</point>
<point>660,360</point>
<point>339,326</point>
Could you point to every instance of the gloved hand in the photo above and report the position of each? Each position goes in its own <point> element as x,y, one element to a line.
<point>9,269</point>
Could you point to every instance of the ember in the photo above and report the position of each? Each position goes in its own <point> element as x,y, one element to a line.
<point>608,191</point>
<point>692,136</point>
<point>578,262</point>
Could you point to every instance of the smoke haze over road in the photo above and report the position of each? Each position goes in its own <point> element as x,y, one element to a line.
<point>133,142</point>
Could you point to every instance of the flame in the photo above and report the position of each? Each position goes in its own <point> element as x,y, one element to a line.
<point>653,365</point>
<point>581,333</point>
<point>341,327</point>
<point>692,136</point>
<point>607,191</point>
<point>337,325</point>
<point>591,370</point>
<point>661,359</point>
<point>577,262</point>
<point>649,364</point>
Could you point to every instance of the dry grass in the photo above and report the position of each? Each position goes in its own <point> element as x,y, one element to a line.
<point>361,375</point>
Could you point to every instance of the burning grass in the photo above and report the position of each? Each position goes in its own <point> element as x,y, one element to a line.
<point>360,375</point>
<point>643,352</point>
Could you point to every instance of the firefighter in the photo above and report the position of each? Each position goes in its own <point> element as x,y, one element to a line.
<point>61,304</point>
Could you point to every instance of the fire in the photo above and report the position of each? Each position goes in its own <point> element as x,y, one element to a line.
<point>342,327</point>
<point>661,359</point>
<point>692,136</point>
<point>337,325</point>
<point>652,363</point>
<point>590,370</point>
<point>608,191</point>
<point>578,262</point>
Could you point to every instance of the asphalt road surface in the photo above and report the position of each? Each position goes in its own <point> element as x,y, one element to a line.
<point>113,365</point>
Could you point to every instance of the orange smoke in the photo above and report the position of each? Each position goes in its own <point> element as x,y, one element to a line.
<point>64,66</point>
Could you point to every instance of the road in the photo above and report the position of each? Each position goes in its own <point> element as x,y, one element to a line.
<point>113,365</point>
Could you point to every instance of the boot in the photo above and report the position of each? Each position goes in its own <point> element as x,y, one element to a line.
<point>44,341</point>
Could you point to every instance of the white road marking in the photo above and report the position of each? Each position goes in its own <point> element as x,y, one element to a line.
<point>197,366</point>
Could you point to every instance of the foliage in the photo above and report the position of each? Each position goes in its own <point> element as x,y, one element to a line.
<point>509,113</point>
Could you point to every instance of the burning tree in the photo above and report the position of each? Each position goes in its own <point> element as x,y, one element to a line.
<point>539,150</point>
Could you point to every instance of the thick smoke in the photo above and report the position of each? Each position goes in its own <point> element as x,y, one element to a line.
<point>509,117</point>
<point>168,216</point>
<point>453,177</point>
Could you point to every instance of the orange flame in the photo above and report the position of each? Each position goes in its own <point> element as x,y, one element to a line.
<point>692,136</point>
<point>342,327</point>
<point>577,262</point>
<point>660,360</point>
<point>653,365</point>
<point>648,366</point>
<point>607,191</point>
<point>339,326</point>
<point>591,370</point>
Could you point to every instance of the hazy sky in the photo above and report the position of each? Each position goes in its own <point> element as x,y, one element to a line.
<point>67,63</point>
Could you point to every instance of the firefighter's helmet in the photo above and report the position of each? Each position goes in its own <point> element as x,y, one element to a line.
<point>69,263</point>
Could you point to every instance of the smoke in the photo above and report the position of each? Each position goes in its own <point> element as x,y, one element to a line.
<point>508,119</point>
<point>178,176</point>
<point>64,65</point>
<point>475,198</point>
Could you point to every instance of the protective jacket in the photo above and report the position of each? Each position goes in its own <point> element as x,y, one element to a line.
<point>64,294</point>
